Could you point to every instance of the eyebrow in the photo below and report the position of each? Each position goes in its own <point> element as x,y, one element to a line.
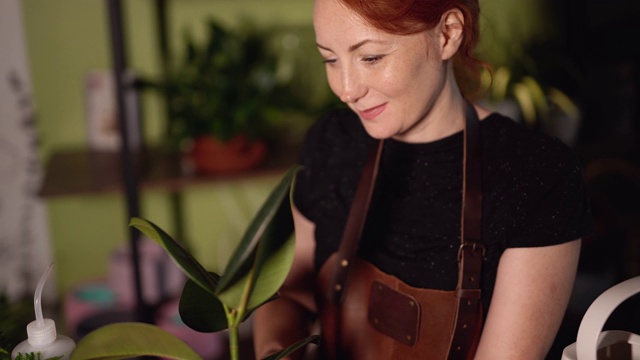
<point>353,47</point>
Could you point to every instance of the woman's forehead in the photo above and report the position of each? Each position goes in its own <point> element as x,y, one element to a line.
<point>338,26</point>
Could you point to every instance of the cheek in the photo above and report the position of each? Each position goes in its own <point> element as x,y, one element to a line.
<point>410,78</point>
<point>391,83</point>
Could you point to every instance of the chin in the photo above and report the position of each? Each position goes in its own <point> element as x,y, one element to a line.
<point>378,133</point>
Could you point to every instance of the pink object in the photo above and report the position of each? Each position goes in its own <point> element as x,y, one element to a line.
<point>87,299</point>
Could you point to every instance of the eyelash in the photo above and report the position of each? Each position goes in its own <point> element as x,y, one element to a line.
<point>372,59</point>
<point>368,59</point>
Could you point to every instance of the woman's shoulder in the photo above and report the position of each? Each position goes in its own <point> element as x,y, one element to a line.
<point>534,167</point>
<point>506,139</point>
<point>537,180</point>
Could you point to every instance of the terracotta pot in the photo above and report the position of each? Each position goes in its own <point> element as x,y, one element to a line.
<point>212,156</point>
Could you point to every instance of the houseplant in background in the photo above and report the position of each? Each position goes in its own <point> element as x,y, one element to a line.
<point>211,302</point>
<point>539,104</point>
<point>223,95</point>
<point>535,77</point>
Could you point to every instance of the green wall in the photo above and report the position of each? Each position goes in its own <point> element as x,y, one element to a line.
<point>68,38</point>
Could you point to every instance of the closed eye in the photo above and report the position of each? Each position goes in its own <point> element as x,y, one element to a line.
<point>372,59</point>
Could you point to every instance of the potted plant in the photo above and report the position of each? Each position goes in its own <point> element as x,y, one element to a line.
<point>222,96</point>
<point>211,302</point>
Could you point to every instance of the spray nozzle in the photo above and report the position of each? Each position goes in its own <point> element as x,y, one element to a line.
<point>42,331</point>
<point>37,298</point>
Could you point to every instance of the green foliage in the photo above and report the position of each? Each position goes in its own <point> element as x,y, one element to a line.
<point>269,230</point>
<point>525,44</point>
<point>201,310</point>
<point>213,80</point>
<point>14,318</point>
<point>189,265</point>
<point>225,85</point>
<point>32,356</point>
<point>535,101</point>
<point>255,272</point>
<point>126,340</point>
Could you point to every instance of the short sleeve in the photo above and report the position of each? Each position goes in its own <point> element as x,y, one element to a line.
<point>555,206</point>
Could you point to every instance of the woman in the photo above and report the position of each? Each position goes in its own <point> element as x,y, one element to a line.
<point>403,69</point>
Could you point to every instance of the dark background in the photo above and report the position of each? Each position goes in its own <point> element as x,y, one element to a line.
<point>600,37</point>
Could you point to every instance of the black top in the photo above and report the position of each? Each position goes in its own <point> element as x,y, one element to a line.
<point>532,189</point>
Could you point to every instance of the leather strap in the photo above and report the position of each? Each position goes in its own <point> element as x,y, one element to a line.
<point>350,241</point>
<point>355,224</point>
<point>471,252</point>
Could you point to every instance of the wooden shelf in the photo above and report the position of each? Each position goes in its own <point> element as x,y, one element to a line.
<point>87,172</point>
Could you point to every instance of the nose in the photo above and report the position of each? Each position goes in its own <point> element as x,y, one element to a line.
<point>352,88</point>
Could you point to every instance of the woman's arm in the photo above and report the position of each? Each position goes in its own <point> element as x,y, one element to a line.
<point>282,322</point>
<point>531,294</point>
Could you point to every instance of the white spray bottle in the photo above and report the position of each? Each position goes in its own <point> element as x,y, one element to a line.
<point>42,335</point>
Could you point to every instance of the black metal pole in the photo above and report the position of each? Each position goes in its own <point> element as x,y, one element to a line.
<point>129,174</point>
<point>164,51</point>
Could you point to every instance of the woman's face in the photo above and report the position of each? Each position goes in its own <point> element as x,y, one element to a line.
<point>393,82</point>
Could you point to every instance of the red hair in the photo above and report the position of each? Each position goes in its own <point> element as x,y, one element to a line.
<point>404,17</point>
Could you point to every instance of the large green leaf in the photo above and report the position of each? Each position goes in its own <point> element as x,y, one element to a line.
<point>127,340</point>
<point>262,226</point>
<point>271,275</point>
<point>274,256</point>
<point>308,340</point>
<point>204,312</point>
<point>200,310</point>
<point>189,265</point>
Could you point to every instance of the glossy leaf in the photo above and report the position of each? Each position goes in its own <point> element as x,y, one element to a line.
<point>127,340</point>
<point>274,256</point>
<point>271,275</point>
<point>189,265</point>
<point>243,258</point>
<point>200,310</point>
<point>270,263</point>
<point>204,312</point>
<point>308,340</point>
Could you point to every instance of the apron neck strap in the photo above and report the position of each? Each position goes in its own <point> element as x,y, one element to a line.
<point>470,232</point>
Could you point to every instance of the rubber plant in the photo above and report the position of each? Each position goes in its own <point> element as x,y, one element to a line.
<point>210,302</point>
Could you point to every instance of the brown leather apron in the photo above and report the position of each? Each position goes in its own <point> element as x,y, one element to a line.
<point>368,314</point>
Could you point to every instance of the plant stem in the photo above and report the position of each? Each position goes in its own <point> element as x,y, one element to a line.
<point>235,316</point>
<point>233,331</point>
<point>244,301</point>
<point>233,342</point>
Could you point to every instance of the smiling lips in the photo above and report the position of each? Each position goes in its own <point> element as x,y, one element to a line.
<point>371,113</point>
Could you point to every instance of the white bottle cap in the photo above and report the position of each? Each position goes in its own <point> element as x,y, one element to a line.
<point>42,334</point>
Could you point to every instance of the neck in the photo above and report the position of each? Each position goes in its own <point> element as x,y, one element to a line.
<point>446,115</point>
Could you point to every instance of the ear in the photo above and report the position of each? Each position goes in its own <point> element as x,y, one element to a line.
<point>451,33</point>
